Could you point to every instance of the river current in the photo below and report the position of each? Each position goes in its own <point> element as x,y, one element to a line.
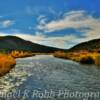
<point>44,77</point>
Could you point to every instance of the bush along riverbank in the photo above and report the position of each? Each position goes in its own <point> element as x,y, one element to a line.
<point>7,61</point>
<point>83,57</point>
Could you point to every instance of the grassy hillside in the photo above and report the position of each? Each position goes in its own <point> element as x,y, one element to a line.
<point>85,53</point>
<point>92,45</point>
<point>11,43</point>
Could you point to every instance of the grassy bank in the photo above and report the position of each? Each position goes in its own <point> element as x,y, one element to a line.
<point>83,57</point>
<point>21,54</point>
<point>7,62</point>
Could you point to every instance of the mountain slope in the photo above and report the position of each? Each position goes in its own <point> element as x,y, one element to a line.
<point>9,43</point>
<point>92,45</point>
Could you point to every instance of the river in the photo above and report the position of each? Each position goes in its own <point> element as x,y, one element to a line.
<point>44,77</point>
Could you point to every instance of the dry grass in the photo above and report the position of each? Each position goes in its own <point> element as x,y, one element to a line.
<point>6,63</point>
<point>77,56</point>
<point>21,54</point>
<point>97,60</point>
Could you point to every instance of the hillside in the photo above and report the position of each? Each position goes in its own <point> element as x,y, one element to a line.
<point>84,53</point>
<point>10,43</point>
<point>92,45</point>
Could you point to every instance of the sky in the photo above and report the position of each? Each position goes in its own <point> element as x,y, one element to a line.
<point>57,23</point>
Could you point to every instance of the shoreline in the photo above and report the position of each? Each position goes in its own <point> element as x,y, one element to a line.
<point>8,61</point>
<point>82,57</point>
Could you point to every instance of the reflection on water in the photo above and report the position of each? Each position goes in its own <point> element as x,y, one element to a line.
<point>49,73</point>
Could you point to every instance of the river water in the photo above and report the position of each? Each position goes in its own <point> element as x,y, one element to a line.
<point>44,77</point>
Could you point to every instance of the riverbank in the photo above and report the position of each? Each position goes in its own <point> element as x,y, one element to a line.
<point>7,62</point>
<point>21,54</point>
<point>83,57</point>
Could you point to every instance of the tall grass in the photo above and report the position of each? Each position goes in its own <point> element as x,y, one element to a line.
<point>6,64</point>
<point>97,60</point>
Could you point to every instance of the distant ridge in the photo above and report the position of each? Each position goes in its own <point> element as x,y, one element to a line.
<point>9,43</point>
<point>92,45</point>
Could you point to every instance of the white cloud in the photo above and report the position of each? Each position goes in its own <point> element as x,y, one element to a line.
<point>40,17</point>
<point>61,41</point>
<point>6,23</point>
<point>74,19</point>
<point>58,41</point>
<point>34,38</point>
<point>87,25</point>
<point>66,22</point>
<point>78,20</point>
<point>42,21</point>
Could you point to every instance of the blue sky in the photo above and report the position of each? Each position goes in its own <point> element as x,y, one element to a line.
<point>58,23</point>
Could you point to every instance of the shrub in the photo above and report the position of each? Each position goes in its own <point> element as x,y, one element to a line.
<point>97,60</point>
<point>87,60</point>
